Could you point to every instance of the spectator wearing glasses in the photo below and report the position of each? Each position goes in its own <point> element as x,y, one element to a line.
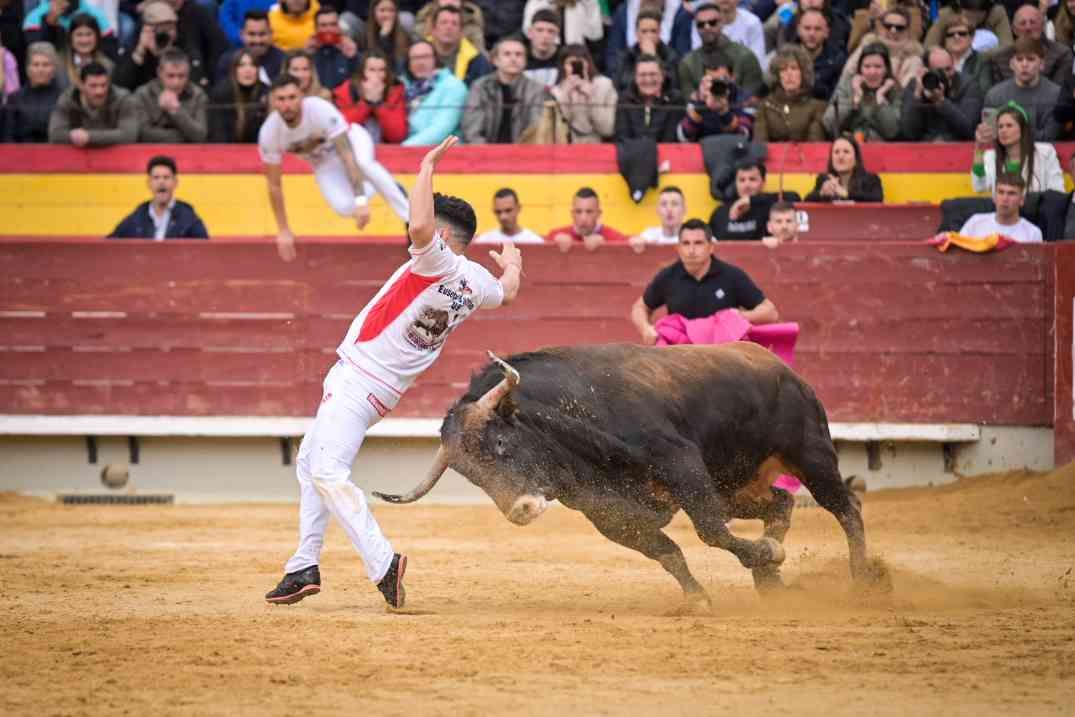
<point>940,106</point>
<point>869,105</point>
<point>988,19</point>
<point>709,23</point>
<point>790,113</point>
<point>846,178</point>
<point>506,208</point>
<point>957,35</point>
<point>869,20</point>
<point>1029,24</point>
<point>904,53</point>
<point>1033,92</point>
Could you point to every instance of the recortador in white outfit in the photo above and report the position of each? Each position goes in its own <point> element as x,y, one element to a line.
<point>396,337</point>
<point>312,139</point>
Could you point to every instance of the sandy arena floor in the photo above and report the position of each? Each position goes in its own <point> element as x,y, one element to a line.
<point>151,610</point>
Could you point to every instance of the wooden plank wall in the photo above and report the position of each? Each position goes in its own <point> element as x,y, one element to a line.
<point>1064,415</point>
<point>890,332</point>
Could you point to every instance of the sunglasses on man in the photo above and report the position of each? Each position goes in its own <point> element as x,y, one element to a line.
<point>957,33</point>
<point>893,27</point>
<point>702,24</point>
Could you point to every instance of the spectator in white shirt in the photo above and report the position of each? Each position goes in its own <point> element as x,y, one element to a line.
<point>1008,197</point>
<point>744,27</point>
<point>672,210</point>
<point>506,207</point>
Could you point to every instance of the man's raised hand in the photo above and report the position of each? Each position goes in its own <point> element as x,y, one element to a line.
<point>434,156</point>
<point>509,256</point>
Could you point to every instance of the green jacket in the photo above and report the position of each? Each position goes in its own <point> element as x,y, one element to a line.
<point>748,75</point>
<point>114,123</point>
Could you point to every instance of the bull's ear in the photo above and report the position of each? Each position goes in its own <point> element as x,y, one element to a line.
<point>507,407</point>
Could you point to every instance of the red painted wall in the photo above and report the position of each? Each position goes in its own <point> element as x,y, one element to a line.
<point>1064,415</point>
<point>894,332</point>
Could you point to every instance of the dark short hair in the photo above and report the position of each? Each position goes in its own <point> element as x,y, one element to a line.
<point>514,37</point>
<point>715,59</point>
<point>751,164</point>
<point>781,207</point>
<point>671,190</point>
<point>161,160</point>
<point>256,16</point>
<point>586,193</point>
<point>694,225</point>
<point>825,15</point>
<point>647,58</point>
<point>1011,179</point>
<point>458,213</point>
<point>325,10</point>
<point>174,56</point>
<point>449,9</point>
<point>505,192</point>
<point>93,69</point>
<point>546,15</point>
<point>705,6</point>
<point>647,15</point>
<point>283,80</point>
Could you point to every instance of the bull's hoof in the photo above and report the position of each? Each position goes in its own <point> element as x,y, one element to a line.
<point>767,580</point>
<point>776,551</point>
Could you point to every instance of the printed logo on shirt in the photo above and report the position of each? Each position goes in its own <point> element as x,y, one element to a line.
<point>326,397</point>
<point>719,293</point>
<point>460,296</point>
<point>428,331</point>
<point>308,147</point>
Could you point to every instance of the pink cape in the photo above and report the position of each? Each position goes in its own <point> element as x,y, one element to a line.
<point>729,325</point>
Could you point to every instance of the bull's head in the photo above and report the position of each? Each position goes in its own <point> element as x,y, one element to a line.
<point>483,441</point>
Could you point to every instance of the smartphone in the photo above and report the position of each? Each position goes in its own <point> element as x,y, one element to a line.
<point>989,117</point>
<point>578,68</point>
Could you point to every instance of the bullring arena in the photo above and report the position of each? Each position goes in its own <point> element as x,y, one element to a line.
<point>189,369</point>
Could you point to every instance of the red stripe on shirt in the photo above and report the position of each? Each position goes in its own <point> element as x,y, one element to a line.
<point>393,303</point>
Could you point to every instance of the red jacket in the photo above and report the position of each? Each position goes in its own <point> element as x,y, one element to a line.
<point>390,114</point>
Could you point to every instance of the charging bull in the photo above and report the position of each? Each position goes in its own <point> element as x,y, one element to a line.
<point>629,435</point>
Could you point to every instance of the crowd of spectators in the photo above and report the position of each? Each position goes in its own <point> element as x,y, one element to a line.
<point>103,72</point>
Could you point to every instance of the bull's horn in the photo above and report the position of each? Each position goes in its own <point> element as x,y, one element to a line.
<point>440,464</point>
<point>488,403</point>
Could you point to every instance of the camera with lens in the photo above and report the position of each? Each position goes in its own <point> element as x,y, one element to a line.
<point>163,39</point>
<point>934,80</point>
<point>578,68</point>
<point>719,88</point>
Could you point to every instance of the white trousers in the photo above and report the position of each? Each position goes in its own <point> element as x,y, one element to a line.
<point>350,405</point>
<point>335,185</point>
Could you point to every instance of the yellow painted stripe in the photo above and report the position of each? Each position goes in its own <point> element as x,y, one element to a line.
<point>237,204</point>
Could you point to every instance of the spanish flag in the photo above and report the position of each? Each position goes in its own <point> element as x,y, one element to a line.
<point>979,245</point>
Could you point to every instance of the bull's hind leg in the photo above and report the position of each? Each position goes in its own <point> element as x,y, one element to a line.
<point>643,533</point>
<point>775,513</point>
<point>820,473</point>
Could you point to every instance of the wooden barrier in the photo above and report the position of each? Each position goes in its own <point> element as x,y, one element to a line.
<point>890,332</point>
<point>882,222</point>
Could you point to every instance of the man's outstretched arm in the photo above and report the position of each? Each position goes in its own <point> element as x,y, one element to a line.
<point>510,259</point>
<point>423,224</point>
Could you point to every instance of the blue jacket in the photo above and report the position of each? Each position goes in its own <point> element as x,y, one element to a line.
<point>183,224</point>
<point>439,113</point>
<point>231,13</point>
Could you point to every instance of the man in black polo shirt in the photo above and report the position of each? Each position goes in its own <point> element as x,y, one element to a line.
<point>699,285</point>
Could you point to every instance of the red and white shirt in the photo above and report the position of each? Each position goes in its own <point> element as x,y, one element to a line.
<point>401,332</point>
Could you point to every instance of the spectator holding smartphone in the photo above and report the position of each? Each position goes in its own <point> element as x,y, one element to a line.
<point>587,99</point>
<point>1009,147</point>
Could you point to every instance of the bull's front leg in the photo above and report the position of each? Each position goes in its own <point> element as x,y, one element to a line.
<point>775,513</point>
<point>644,534</point>
<point>710,512</point>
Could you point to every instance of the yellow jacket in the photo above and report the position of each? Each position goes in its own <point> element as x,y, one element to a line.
<point>290,32</point>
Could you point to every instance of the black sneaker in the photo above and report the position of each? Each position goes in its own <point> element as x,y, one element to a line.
<point>391,585</point>
<point>295,586</point>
